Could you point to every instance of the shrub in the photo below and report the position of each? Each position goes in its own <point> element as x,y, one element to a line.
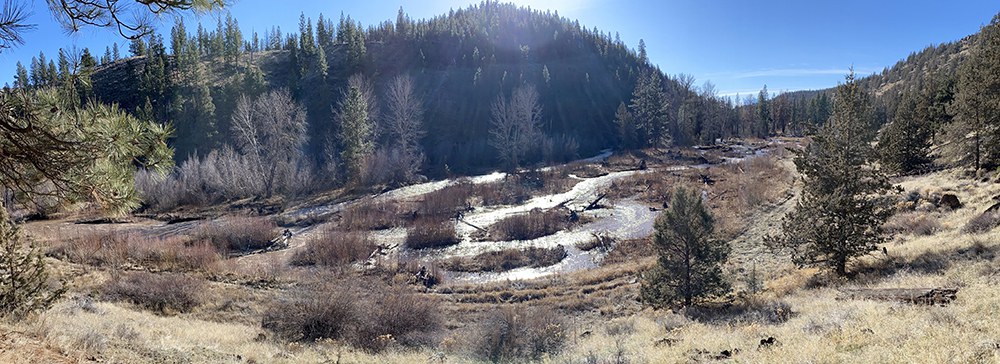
<point>335,248</point>
<point>518,334</point>
<point>626,251</point>
<point>507,259</point>
<point>982,223</point>
<point>395,315</point>
<point>308,315</point>
<point>916,223</point>
<point>237,235</point>
<point>371,320</point>
<point>508,191</point>
<point>444,203</point>
<point>24,277</point>
<point>115,248</point>
<point>535,224</point>
<point>371,215</point>
<point>164,293</point>
<point>429,233</point>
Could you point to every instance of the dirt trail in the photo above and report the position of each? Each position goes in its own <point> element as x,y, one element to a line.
<point>748,249</point>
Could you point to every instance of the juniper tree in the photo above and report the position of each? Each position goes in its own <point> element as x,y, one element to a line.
<point>844,200</point>
<point>689,256</point>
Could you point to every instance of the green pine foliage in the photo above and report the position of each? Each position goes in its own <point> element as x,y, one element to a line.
<point>690,260</point>
<point>845,195</point>
<point>357,131</point>
<point>904,144</point>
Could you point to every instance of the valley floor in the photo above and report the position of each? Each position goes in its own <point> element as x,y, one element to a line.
<point>589,293</point>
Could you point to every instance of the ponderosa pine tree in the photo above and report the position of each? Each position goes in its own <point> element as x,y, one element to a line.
<point>626,127</point>
<point>357,127</point>
<point>689,264</point>
<point>762,124</point>
<point>844,200</point>
<point>904,144</point>
<point>974,135</point>
<point>649,110</point>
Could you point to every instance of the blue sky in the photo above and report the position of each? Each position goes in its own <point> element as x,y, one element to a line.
<point>738,45</point>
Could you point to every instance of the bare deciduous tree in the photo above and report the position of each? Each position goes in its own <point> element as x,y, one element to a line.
<point>403,129</point>
<point>271,131</point>
<point>516,124</point>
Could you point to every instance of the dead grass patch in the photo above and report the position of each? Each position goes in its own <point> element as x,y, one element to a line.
<point>431,233</point>
<point>237,235</point>
<point>507,259</point>
<point>163,293</point>
<point>334,248</point>
<point>913,223</point>
<point>534,224</point>
<point>117,249</point>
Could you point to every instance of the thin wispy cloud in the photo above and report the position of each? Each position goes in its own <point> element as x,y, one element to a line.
<point>796,72</point>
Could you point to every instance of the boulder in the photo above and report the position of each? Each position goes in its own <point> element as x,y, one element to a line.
<point>951,201</point>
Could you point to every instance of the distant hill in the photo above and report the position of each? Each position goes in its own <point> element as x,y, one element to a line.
<point>460,61</point>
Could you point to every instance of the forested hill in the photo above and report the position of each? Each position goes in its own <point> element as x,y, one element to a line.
<point>460,63</point>
<point>930,71</point>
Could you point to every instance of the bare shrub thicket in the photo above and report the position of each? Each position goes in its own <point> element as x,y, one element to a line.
<point>518,334</point>
<point>335,248</point>
<point>235,235</point>
<point>220,176</point>
<point>509,191</point>
<point>371,215</point>
<point>448,201</point>
<point>118,248</point>
<point>916,223</point>
<point>269,133</point>
<point>535,224</point>
<point>165,293</point>
<point>371,319</point>
<point>431,233</point>
<point>507,259</point>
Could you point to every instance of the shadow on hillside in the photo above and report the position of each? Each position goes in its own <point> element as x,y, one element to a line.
<point>932,262</point>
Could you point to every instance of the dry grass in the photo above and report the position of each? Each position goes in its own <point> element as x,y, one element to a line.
<point>430,233</point>
<point>534,224</point>
<point>507,259</point>
<point>334,248</point>
<point>913,223</point>
<point>369,215</point>
<point>238,235</point>
<point>115,249</point>
<point>164,293</point>
<point>372,319</point>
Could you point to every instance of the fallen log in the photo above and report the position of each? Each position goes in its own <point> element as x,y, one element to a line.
<point>470,224</point>
<point>592,204</point>
<point>918,296</point>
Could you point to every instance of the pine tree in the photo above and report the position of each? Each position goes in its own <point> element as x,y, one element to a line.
<point>649,110</point>
<point>690,260</point>
<point>844,199</point>
<point>762,127</point>
<point>21,79</point>
<point>114,52</point>
<point>904,144</point>
<point>974,136</point>
<point>357,130</point>
<point>137,47</point>
<point>626,127</point>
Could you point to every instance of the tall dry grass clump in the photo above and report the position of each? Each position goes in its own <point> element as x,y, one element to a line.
<point>119,248</point>
<point>237,235</point>
<point>518,334</point>
<point>534,224</point>
<point>427,233</point>
<point>164,293</point>
<point>335,248</point>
